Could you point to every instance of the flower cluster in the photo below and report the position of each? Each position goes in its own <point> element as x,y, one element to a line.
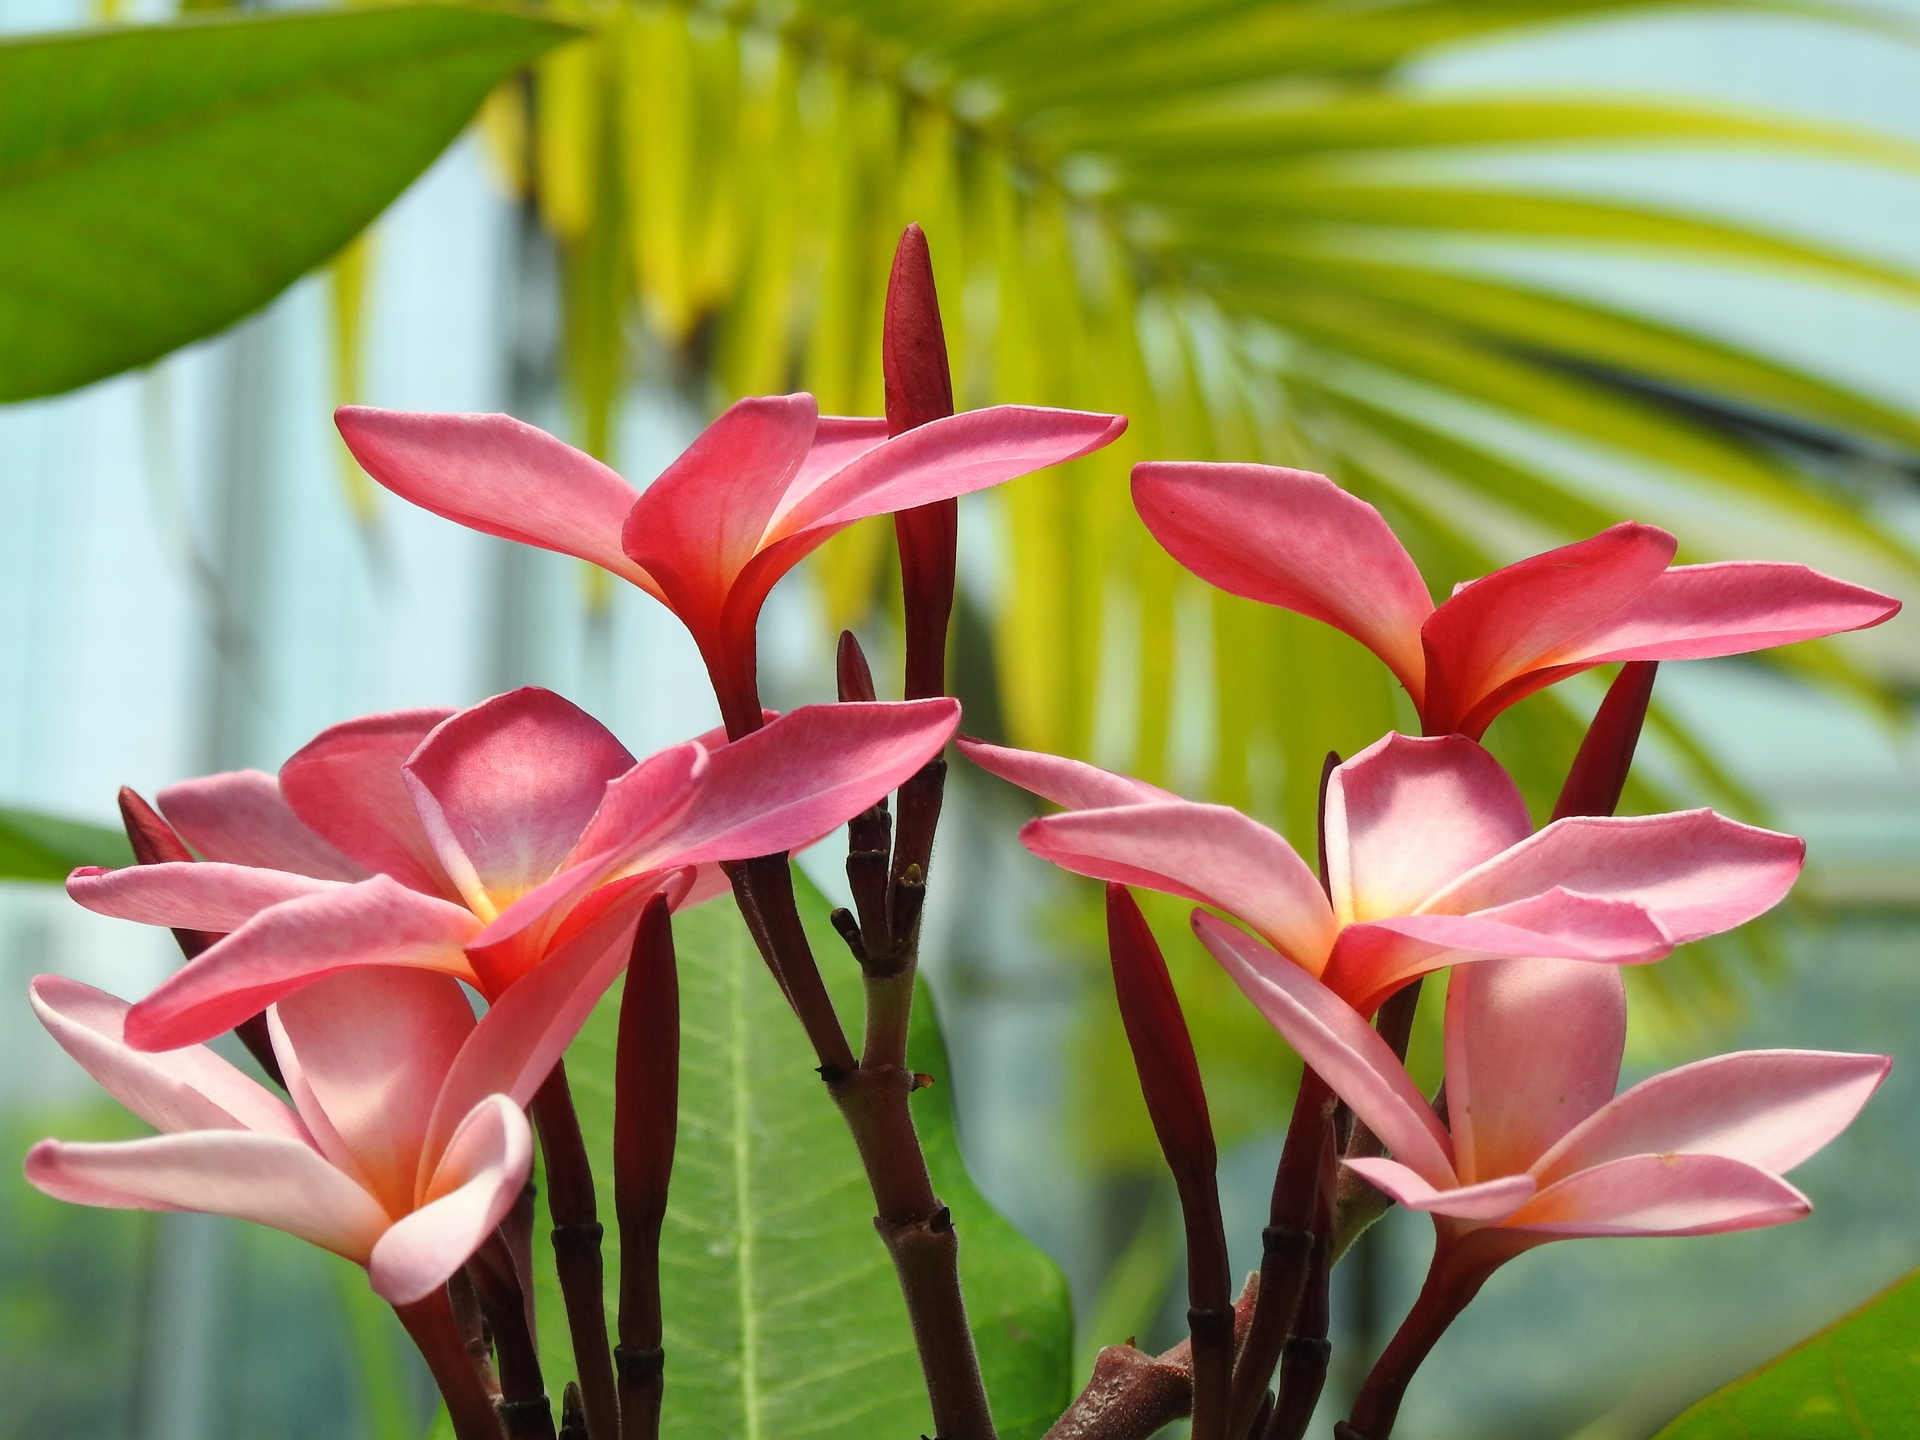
<point>346,915</point>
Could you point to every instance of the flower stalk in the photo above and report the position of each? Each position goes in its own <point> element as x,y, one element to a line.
<point>1177,1104</point>
<point>576,1250</point>
<point>442,1342</point>
<point>646,1088</point>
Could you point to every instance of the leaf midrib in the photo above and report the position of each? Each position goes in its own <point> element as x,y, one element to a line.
<point>737,1075</point>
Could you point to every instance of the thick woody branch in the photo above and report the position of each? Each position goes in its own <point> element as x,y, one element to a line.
<point>917,1228</point>
<point>1132,1395</point>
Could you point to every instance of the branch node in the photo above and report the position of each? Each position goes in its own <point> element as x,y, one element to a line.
<point>640,1364</point>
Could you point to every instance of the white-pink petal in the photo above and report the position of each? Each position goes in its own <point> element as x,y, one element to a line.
<point>1533,1048</point>
<point>1341,1047</point>
<point>1294,539</point>
<point>176,1090</point>
<point>1697,872</point>
<point>267,1179</point>
<point>1769,1108</point>
<point>1661,1195</point>
<point>1406,817</point>
<point>376,922</point>
<point>1209,853</point>
<point>375,1044</point>
<point>477,1181</point>
<point>1487,1200</point>
<point>195,895</point>
<point>500,476</point>
<point>1072,783</point>
<point>242,818</point>
<point>346,784</point>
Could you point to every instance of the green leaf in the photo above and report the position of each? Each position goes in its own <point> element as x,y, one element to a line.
<point>159,182</point>
<point>783,1317</point>
<point>1860,1377</point>
<point>47,848</point>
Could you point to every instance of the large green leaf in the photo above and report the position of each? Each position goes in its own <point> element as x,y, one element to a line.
<point>159,182</point>
<point>47,848</point>
<point>783,1317</point>
<point>1859,1379</point>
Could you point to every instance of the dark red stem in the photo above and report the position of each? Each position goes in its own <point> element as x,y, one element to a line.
<point>1287,1249</point>
<point>1177,1104</point>
<point>576,1249</point>
<point>430,1323</point>
<point>646,1104</point>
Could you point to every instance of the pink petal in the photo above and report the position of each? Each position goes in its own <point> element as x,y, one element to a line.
<point>267,1179</point>
<point>639,808</point>
<point>953,455</point>
<point>1405,817</point>
<point>1208,853</point>
<point>698,525</point>
<point>1066,782</point>
<point>1496,629</point>
<point>1697,872</point>
<point>497,475</point>
<point>485,1169</point>
<point>505,789</point>
<point>1662,1195</point>
<point>195,895</point>
<point>1770,1108</point>
<point>1533,1048</point>
<point>1695,611</point>
<point>1489,1200</point>
<point>517,1041</point>
<point>1293,539</point>
<point>837,442</point>
<point>375,1044</point>
<point>1341,1047</point>
<point>319,1127</point>
<point>243,819</point>
<point>178,1090</point>
<point>377,922</point>
<point>1373,960</point>
<point>802,776</point>
<point>346,784</point>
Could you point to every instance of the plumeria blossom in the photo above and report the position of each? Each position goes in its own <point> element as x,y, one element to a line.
<point>1295,539</point>
<point>1536,1147</point>
<point>1431,861</point>
<point>485,845</point>
<point>764,485</point>
<point>405,1144</point>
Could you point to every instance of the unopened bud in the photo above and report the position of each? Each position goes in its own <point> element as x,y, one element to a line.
<point>919,385</point>
<point>1599,772</point>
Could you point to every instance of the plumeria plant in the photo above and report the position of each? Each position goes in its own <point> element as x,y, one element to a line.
<point>412,920</point>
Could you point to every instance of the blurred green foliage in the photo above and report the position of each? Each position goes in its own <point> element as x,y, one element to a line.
<point>158,182</point>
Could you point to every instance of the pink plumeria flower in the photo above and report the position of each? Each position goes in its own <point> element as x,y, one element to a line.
<point>405,1144</point>
<point>1295,539</point>
<point>478,844</point>
<point>1431,861</point>
<point>763,486</point>
<point>1536,1147</point>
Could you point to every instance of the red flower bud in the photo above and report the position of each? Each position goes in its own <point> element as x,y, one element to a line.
<point>1599,771</point>
<point>913,356</point>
